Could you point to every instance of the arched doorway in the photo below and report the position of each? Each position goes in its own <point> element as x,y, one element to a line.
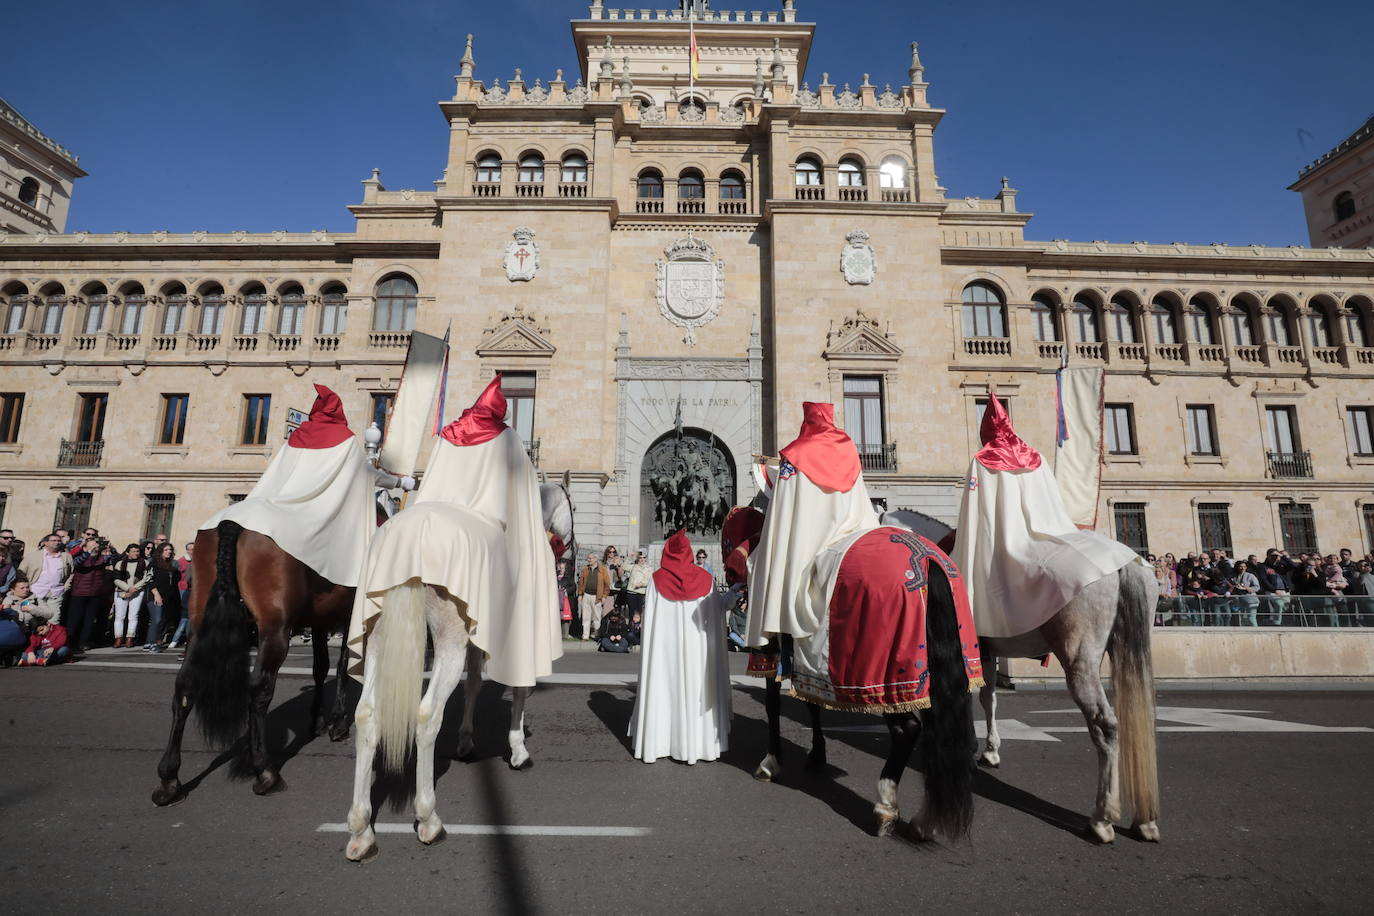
<point>687,480</point>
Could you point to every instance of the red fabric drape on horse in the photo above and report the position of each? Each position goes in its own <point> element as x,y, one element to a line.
<point>326,427</point>
<point>821,451</point>
<point>739,535</point>
<point>1002,449</point>
<point>678,578</point>
<point>481,422</point>
<point>877,649</point>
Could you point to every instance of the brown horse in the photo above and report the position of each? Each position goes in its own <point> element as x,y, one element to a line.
<point>242,579</point>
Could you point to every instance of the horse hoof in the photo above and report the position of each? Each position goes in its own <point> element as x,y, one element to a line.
<point>163,796</point>
<point>360,851</point>
<point>1149,831</point>
<point>768,769</point>
<point>990,759</point>
<point>317,727</point>
<point>887,822</point>
<point>268,783</point>
<point>431,836</point>
<point>338,733</point>
<point>526,764</point>
<point>466,747</point>
<point>815,763</point>
<point>1102,832</point>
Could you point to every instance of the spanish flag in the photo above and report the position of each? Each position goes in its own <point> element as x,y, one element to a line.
<point>696,55</point>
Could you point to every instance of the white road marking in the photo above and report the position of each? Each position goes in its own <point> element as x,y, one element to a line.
<point>1212,720</point>
<point>502,830</point>
<point>1009,729</point>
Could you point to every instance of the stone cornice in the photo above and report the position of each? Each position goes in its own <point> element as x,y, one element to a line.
<point>851,208</point>
<point>195,245</point>
<point>1097,256</point>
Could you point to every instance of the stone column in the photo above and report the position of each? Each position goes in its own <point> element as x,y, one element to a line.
<point>1304,335</point>
<point>712,195</point>
<point>779,162</point>
<point>1147,331</point>
<point>603,150</point>
<point>457,179</point>
<point>669,194</point>
<point>509,168</point>
<point>927,188</point>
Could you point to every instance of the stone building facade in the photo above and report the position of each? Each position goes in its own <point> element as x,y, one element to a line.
<point>665,270</point>
<point>36,177</point>
<point>1338,193</point>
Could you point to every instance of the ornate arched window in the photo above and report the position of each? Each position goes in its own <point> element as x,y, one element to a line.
<point>174,308</point>
<point>254,309</point>
<point>1198,319</point>
<point>135,305</point>
<point>97,299</point>
<point>333,309</point>
<point>1244,329</point>
<point>1083,316</point>
<point>16,299</point>
<point>690,186</point>
<point>211,309</point>
<point>397,299</point>
<point>489,169</point>
<point>28,192</point>
<point>54,308</point>
<point>985,312</point>
<point>1343,207</point>
<point>291,320</point>
<point>1355,323</point>
<point>649,185</point>
<point>851,173</point>
<point>732,186</point>
<point>1278,325</point>
<point>1044,322</point>
<point>575,168</point>
<point>1121,319</point>
<point>531,169</point>
<point>1320,329</point>
<point>892,173</point>
<point>808,172</point>
<point>1164,318</point>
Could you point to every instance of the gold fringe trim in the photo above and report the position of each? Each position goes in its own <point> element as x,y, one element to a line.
<point>871,709</point>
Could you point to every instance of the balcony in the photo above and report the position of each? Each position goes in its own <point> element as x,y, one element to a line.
<point>1364,356</point>
<point>1169,352</point>
<point>1291,356</point>
<point>42,342</point>
<point>388,340</point>
<point>532,450</point>
<point>878,456</point>
<point>572,189</point>
<point>1210,353</point>
<point>201,343</point>
<point>165,343</point>
<point>691,205</point>
<point>285,342</point>
<point>649,205</point>
<point>80,454</point>
<point>1290,465</point>
<point>1128,352</point>
<point>810,192</point>
<point>1329,355</point>
<point>85,342</point>
<point>987,346</point>
<point>486,189</point>
<point>1247,353</point>
<point>1049,349</point>
<point>327,342</point>
<point>732,207</point>
<point>529,189</point>
<point>246,342</point>
<point>1088,349</point>
<point>121,343</point>
<point>854,194</point>
<point>896,195</point>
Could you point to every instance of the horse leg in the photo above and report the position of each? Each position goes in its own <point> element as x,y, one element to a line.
<point>904,728</point>
<point>519,754</point>
<point>470,691</point>
<point>338,714</point>
<point>272,645</point>
<point>815,761</point>
<point>319,642</point>
<point>362,841</point>
<point>769,769</point>
<point>169,766</point>
<point>987,695</point>
<point>1085,685</point>
<point>450,638</point>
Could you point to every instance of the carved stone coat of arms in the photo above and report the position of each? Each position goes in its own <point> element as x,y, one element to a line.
<point>856,259</point>
<point>522,256</point>
<point>690,285</point>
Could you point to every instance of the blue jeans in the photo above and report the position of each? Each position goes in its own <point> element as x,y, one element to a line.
<point>154,623</point>
<point>185,623</point>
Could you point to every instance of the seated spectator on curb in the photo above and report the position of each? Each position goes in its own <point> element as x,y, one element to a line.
<point>613,633</point>
<point>635,633</point>
<point>13,639</point>
<point>47,646</point>
<point>23,603</point>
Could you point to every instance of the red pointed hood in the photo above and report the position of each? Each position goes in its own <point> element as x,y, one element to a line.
<point>822,451</point>
<point>1002,449</point>
<point>326,427</point>
<point>678,578</point>
<point>483,421</point>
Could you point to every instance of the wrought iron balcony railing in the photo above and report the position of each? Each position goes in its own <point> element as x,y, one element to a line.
<point>532,449</point>
<point>1290,464</point>
<point>80,454</point>
<point>878,456</point>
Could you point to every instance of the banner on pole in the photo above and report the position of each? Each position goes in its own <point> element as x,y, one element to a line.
<point>414,419</point>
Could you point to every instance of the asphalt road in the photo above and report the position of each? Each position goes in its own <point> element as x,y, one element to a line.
<point>1257,816</point>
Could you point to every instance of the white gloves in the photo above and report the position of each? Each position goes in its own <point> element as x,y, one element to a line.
<point>407,483</point>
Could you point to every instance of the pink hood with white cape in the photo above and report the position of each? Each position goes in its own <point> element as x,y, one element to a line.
<point>1022,557</point>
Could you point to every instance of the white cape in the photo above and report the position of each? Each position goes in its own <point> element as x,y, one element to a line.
<point>802,520</point>
<point>1022,557</point>
<point>317,504</point>
<point>682,709</point>
<point>475,527</point>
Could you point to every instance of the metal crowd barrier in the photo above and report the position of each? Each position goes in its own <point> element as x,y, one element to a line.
<point>1266,611</point>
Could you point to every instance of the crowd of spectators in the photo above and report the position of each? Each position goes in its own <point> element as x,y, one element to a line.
<point>1209,588</point>
<point>70,593</point>
<point>603,599</point>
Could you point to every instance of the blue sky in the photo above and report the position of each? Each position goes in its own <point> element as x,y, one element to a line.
<point>1163,121</point>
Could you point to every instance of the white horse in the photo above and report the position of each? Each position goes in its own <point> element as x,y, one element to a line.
<point>1112,616</point>
<point>391,710</point>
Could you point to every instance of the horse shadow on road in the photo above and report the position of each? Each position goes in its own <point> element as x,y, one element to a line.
<point>748,744</point>
<point>986,786</point>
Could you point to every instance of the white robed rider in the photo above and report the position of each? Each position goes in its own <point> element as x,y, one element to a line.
<point>316,497</point>
<point>682,708</point>
<point>1022,557</point>
<point>475,528</point>
<point>819,499</point>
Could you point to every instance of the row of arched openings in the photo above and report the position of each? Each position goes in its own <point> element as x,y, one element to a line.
<point>691,185</point>
<point>851,172</point>
<point>530,168</point>
<point>1087,318</point>
<point>205,309</point>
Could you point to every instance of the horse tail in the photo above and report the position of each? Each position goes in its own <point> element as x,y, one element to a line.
<point>399,643</point>
<point>947,744</point>
<point>1134,689</point>
<point>217,658</point>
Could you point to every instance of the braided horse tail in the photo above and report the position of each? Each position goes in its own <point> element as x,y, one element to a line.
<point>217,658</point>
